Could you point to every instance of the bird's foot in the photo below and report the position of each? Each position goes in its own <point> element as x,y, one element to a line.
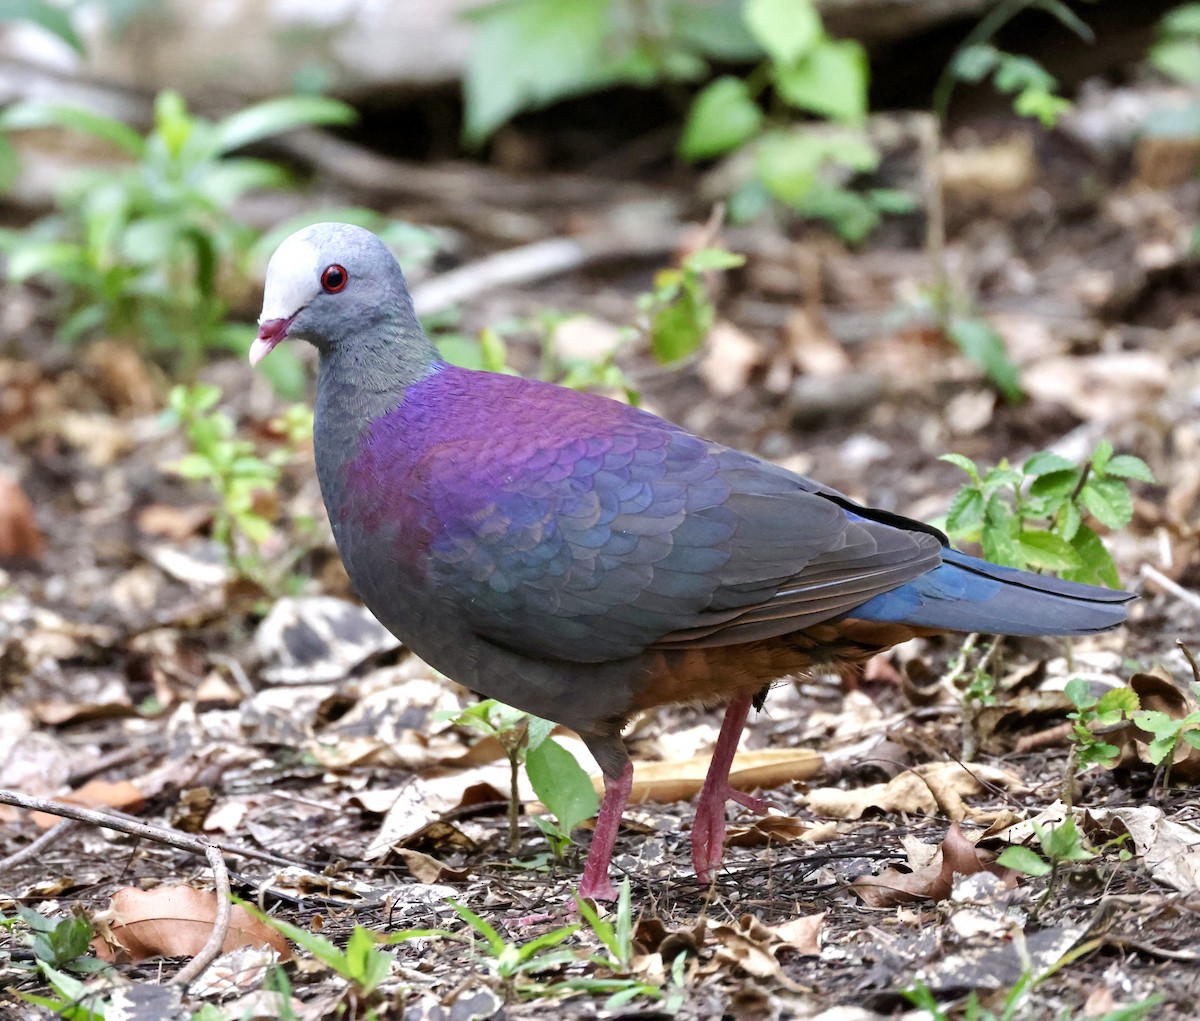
<point>708,828</point>
<point>595,884</point>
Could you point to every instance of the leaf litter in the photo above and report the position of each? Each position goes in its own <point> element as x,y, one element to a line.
<point>137,675</point>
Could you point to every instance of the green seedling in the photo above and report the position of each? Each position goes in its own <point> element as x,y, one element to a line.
<point>1034,517</point>
<point>1091,712</point>
<point>1033,88</point>
<point>556,777</point>
<point>777,157</point>
<point>237,473</point>
<point>513,962</point>
<point>1176,50</point>
<point>1060,845</point>
<point>1168,732</point>
<point>361,963</point>
<point>140,250</point>
<point>59,947</point>
<point>679,313</point>
<point>1015,1005</point>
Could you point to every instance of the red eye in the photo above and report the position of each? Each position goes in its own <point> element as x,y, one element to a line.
<point>334,278</point>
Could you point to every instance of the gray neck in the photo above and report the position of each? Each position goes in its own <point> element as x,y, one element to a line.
<point>359,382</point>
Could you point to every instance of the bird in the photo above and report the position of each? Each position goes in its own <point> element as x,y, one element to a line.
<point>585,560</point>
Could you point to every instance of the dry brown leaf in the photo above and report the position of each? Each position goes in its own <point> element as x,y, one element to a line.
<point>731,356</point>
<point>955,856</point>
<point>800,935</point>
<point>681,779</point>
<point>166,521</point>
<point>923,789</point>
<point>770,829</point>
<point>123,794</point>
<point>175,921</point>
<point>1110,387</point>
<point>751,946</point>
<point>427,869</point>
<point>1170,850</point>
<point>21,541</point>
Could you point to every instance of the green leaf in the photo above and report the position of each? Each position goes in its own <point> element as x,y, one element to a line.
<point>1016,73</point>
<point>1178,59</point>
<point>963,462</point>
<point>1122,701</point>
<point>964,519</point>
<point>1023,860</point>
<point>72,118</point>
<point>1126,466</point>
<point>830,81</point>
<point>1047,552</point>
<point>979,341</point>
<point>51,17</point>
<point>1098,567</point>
<point>527,53</point>
<point>1042,105</point>
<point>680,326</point>
<point>561,784</point>
<point>537,731</point>
<point>787,164</point>
<point>1063,842</point>
<point>974,63</point>
<point>275,116</point>
<point>1183,20</point>
<point>786,29</point>
<point>1101,456</point>
<point>1108,501</point>
<point>1155,722</point>
<point>1054,485</point>
<point>1079,693</point>
<point>723,116</point>
<point>705,260</point>
<point>1046,462</point>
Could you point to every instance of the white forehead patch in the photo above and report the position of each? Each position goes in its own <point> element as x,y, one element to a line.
<point>293,278</point>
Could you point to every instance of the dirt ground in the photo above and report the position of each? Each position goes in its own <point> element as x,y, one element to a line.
<point>137,674</point>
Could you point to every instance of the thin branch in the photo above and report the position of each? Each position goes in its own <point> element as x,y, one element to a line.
<point>1171,587</point>
<point>216,939</point>
<point>48,838</point>
<point>124,824</point>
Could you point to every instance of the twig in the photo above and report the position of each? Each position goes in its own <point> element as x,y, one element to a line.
<point>124,824</point>
<point>555,256</point>
<point>1171,587</point>
<point>216,939</point>
<point>536,261</point>
<point>39,845</point>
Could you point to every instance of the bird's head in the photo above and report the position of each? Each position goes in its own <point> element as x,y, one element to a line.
<point>329,283</point>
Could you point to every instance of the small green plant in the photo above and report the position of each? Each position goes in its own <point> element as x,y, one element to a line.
<point>1168,732</point>
<point>1176,51</point>
<point>1033,88</point>
<point>1087,747</point>
<point>802,166</point>
<point>1034,516</point>
<point>1060,845</point>
<point>237,473</point>
<point>674,318</point>
<point>679,313</point>
<point>511,962</point>
<point>568,48</point>
<point>141,250</point>
<point>1015,1005</point>
<point>58,947</point>
<point>556,777</point>
<point>361,963</point>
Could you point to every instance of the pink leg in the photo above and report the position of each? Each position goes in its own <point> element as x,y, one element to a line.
<point>708,828</point>
<point>595,883</point>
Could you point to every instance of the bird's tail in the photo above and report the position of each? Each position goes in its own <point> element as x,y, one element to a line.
<point>967,594</point>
